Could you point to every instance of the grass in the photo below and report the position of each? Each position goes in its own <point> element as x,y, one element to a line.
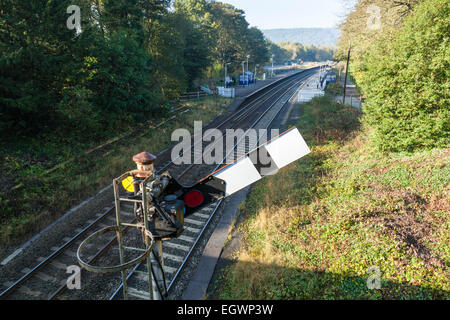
<point>45,196</point>
<point>314,230</point>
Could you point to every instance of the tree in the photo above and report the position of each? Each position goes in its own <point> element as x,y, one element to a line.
<point>225,33</point>
<point>131,56</point>
<point>257,46</point>
<point>39,57</point>
<point>53,79</point>
<point>285,51</point>
<point>406,82</point>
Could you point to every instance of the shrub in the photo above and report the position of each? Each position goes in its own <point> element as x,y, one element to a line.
<point>323,118</point>
<point>406,84</point>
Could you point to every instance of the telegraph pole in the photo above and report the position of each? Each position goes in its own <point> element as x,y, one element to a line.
<point>248,56</point>
<point>346,74</point>
<point>226,69</point>
<point>272,63</point>
<point>243,72</point>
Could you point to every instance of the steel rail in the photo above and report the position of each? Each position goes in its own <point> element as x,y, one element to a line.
<point>242,118</point>
<point>181,267</point>
<point>206,223</point>
<point>255,123</point>
<point>51,257</point>
<point>242,111</point>
<point>99,253</point>
<point>183,263</point>
<point>259,119</point>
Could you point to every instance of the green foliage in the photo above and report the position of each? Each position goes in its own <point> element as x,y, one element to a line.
<point>130,58</point>
<point>122,77</point>
<point>335,89</point>
<point>34,57</point>
<point>407,86</point>
<point>226,34</point>
<point>313,230</point>
<point>281,54</point>
<point>64,92</point>
<point>324,117</point>
<point>75,175</point>
<point>54,80</point>
<point>355,30</point>
<point>403,71</point>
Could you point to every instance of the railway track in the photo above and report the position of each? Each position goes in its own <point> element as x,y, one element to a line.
<point>48,278</point>
<point>242,119</point>
<point>177,251</point>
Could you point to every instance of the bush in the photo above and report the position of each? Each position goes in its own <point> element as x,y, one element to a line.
<point>406,84</point>
<point>53,82</point>
<point>324,118</point>
<point>335,89</point>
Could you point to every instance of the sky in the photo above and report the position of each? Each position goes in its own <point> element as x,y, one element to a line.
<point>275,14</point>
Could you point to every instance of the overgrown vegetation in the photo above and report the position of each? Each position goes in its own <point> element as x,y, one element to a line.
<point>325,117</point>
<point>402,69</point>
<point>313,230</point>
<point>374,198</point>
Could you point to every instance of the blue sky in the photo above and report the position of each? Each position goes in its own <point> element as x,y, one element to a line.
<point>273,14</point>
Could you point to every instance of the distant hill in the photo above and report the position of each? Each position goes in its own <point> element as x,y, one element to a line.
<point>314,36</point>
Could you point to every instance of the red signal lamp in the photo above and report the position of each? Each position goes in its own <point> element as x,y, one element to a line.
<point>194,199</point>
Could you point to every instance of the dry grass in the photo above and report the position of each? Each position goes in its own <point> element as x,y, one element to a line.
<point>313,230</point>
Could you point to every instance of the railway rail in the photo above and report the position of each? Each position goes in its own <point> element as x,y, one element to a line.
<point>178,250</point>
<point>48,279</point>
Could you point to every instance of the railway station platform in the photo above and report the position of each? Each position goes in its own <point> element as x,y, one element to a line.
<point>247,90</point>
